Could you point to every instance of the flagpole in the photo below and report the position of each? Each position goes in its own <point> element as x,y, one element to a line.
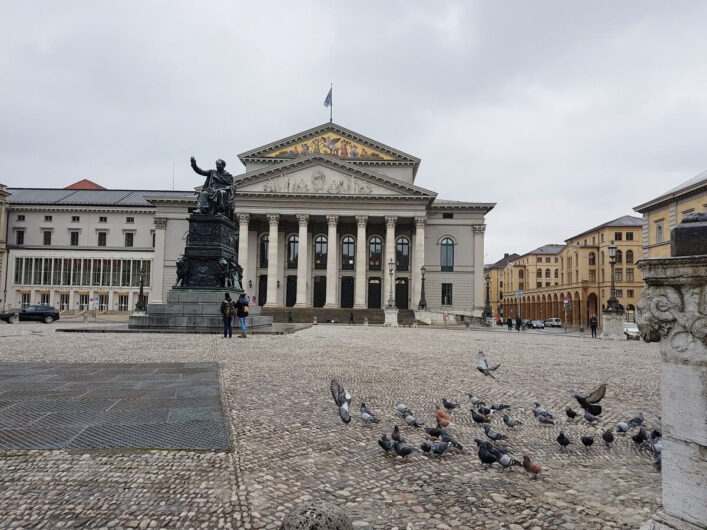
<point>331,107</point>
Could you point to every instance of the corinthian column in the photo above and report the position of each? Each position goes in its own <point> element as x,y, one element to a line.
<point>302,262</point>
<point>332,262</point>
<point>389,254</point>
<point>243,220</point>
<point>273,300</point>
<point>479,230</point>
<point>360,289</point>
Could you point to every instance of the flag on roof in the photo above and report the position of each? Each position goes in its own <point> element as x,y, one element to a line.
<point>328,100</point>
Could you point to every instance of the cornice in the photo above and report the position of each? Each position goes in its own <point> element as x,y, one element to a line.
<point>329,196</point>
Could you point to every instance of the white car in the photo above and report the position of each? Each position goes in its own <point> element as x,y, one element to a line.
<point>553,323</point>
<point>631,331</point>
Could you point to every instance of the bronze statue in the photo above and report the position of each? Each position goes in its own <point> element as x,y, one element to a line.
<point>182,271</point>
<point>217,194</point>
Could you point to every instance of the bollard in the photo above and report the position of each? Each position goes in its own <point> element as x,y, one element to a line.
<point>365,322</point>
<point>314,322</point>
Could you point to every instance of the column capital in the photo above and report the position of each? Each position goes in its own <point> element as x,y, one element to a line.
<point>361,221</point>
<point>160,223</point>
<point>332,220</point>
<point>244,218</point>
<point>274,219</point>
<point>479,229</point>
<point>420,222</point>
<point>390,221</point>
<point>303,219</point>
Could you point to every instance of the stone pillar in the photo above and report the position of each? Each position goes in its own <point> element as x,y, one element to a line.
<point>479,302</point>
<point>302,262</point>
<point>673,310</point>
<point>273,297</point>
<point>157,269</point>
<point>418,260</point>
<point>332,262</point>
<point>389,255</point>
<point>360,287</point>
<point>243,220</point>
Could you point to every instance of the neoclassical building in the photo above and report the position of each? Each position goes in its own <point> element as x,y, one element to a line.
<point>322,213</point>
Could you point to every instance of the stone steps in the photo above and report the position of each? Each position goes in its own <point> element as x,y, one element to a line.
<point>307,314</point>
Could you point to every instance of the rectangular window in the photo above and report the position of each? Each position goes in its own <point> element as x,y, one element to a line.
<point>446,294</point>
<point>44,299</point>
<point>115,275</point>
<point>547,260</point>
<point>619,275</point>
<point>447,216</point>
<point>47,237</point>
<point>129,220</point>
<point>629,293</point>
<point>76,272</point>
<point>147,267</point>
<point>75,218</point>
<point>105,279</point>
<point>538,284</point>
<point>129,239</point>
<point>66,272</point>
<point>602,238</point>
<point>25,300</point>
<point>48,218</point>
<point>594,240</point>
<point>96,280</point>
<point>629,275</point>
<point>629,236</point>
<point>539,259</point>
<point>102,219</point>
<point>521,285</point>
<point>86,279</point>
<point>27,278</point>
<point>20,237</point>
<point>20,217</point>
<point>47,272</point>
<point>617,236</point>
<point>102,239</point>
<point>153,239</point>
<point>135,281</point>
<point>18,270</point>
<point>125,273</point>
<point>74,239</point>
<point>619,293</point>
<point>57,271</point>
<point>592,275</point>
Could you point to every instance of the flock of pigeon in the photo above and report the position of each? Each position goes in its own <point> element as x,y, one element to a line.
<point>439,440</point>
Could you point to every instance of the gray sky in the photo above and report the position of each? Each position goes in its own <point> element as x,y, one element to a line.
<point>566,114</point>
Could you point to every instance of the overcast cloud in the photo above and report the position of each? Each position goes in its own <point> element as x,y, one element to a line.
<point>566,114</point>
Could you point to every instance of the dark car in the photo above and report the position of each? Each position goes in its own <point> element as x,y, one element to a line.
<point>44,313</point>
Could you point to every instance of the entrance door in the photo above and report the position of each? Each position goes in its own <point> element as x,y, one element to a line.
<point>347,291</point>
<point>374,293</point>
<point>291,293</point>
<point>262,289</point>
<point>319,296</point>
<point>401,293</point>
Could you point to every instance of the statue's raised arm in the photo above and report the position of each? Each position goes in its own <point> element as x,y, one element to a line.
<point>217,194</point>
<point>197,169</point>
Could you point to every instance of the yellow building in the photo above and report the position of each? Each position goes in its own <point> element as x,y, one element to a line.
<point>496,283</point>
<point>3,244</point>
<point>661,214</point>
<point>578,272</point>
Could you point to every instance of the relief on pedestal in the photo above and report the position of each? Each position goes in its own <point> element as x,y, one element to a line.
<point>675,312</point>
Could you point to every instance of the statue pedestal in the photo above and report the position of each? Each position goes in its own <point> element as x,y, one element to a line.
<point>211,238</point>
<point>612,327</point>
<point>391,317</point>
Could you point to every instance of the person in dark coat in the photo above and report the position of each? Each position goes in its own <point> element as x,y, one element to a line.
<point>242,313</point>
<point>227,312</point>
<point>593,325</point>
<point>518,323</point>
<point>509,322</point>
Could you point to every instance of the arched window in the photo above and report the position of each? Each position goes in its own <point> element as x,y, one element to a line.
<point>264,250</point>
<point>447,257</point>
<point>320,252</point>
<point>659,233</point>
<point>348,253</point>
<point>592,258</point>
<point>629,256</point>
<point>619,257</point>
<point>557,273</point>
<point>292,251</point>
<point>375,253</point>
<point>539,273</point>
<point>402,254</point>
<point>547,273</point>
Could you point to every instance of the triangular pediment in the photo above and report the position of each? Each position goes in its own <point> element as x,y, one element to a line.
<point>333,140</point>
<point>324,175</point>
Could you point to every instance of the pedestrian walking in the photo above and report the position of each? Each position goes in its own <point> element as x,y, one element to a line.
<point>242,313</point>
<point>227,311</point>
<point>351,319</point>
<point>509,322</point>
<point>517,323</point>
<point>593,325</point>
<point>253,300</point>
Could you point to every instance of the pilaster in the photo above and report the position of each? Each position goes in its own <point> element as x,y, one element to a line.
<point>243,222</point>
<point>479,231</point>
<point>332,264</point>
<point>390,223</point>
<point>157,271</point>
<point>302,261</point>
<point>360,287</point>
<point>273,297</point>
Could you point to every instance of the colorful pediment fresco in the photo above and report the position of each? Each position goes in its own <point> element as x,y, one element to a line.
<point>329,144</point>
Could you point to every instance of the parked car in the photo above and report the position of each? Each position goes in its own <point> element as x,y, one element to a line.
<point>43,313</point>
<point>631,331</point>
<point>537,324</point>
<point>553,323</point>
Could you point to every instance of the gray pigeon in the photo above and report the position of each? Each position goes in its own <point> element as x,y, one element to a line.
<point>539,410</point>
<point>366,415</point>
<point>403,450</point>
<point>589,417</point>
<point>622,426</point>
<point>402,408</point>
<point>436,448</point>
<point>483,365</point>
<point>410,420</point>
<point>508,461</point>
<point>386,443</point>
<point>475,400</point>
<point>500,406</point>
<point>636,420</point>
<point>511,422</point>
<point>494,435</point>
<point>547,420</point>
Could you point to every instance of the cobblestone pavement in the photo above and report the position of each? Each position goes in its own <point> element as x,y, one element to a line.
<point>291,446</point>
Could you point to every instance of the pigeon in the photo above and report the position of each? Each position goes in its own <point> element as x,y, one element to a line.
<point>588,402</point>
<point>448,438</point>
<point>484,410</point>
<point>437,448</point>
<point>500,406</point>
<point>636,420</point>
<point>441,415</point>
<point>410,420</point>
<point>366,415</point>
<point>563,440</point>
<point>493,449</point>
<point>396,435</point>
<point>511,422</point>
<point>403,450</point>
<point>344,412</point>
<point>434,432</point>
<point>508,461</point>
<point>532,469</point>
<point>539,410</point>
<point>386,443</point>
<point>640,437</point>
<point>655,433</point>
<point>479,418</point>
<point>608,438</point>
<point>475,400</point>
<point>622,426</point>
<point>545,419</point>
<point>494,435</point>
<point>449,405</point>
<point>588,441</point>
<point>659,462</point>
<point>483,365</point>
<point>656,445</point>
<point>401,408</point>
<point>486,457</point>
<point>588,416</point>
<point>571,414</point>
<point>342,398</point>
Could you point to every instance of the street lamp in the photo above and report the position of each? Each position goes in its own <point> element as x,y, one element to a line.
<point>613,303</point>
<point>488,313</point>
<point>391,300</point>
<point>423,302</point>
<point>141,306</point>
